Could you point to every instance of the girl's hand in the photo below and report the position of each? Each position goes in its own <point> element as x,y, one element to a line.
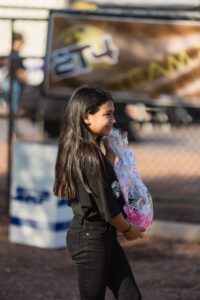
<point>134,233</point>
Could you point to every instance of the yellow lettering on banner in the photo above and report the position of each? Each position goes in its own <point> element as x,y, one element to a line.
<point>155,70</point>
<point>136,76</point>
<point>174,63</point>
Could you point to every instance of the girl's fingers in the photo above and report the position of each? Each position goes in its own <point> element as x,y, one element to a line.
<point>143,230</point>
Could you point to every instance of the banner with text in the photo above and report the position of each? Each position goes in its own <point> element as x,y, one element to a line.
<point>131,57</point>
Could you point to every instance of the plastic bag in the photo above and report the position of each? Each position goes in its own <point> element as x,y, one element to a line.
<point>138,202</point>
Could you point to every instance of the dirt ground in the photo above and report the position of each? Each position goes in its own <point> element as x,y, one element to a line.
<point>164,270</point>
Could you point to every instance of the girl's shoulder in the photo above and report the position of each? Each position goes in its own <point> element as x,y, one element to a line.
<point>89,168</point>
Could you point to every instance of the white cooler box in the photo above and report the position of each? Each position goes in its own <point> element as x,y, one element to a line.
<point>37,217</point>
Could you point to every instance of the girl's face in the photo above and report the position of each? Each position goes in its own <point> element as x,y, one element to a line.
<point>101,122</point>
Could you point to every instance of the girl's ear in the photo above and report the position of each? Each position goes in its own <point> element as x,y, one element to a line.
<point>85,117</point>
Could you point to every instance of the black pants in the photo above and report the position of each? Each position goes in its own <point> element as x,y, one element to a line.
<point>100,261</point>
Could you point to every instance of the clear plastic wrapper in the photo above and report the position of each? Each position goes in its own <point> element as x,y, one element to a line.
<point>138,202</point>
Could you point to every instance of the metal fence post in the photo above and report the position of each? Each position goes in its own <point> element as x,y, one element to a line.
<point>10,127</point>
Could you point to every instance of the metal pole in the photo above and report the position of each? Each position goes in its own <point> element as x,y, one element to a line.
<point>10,127</point>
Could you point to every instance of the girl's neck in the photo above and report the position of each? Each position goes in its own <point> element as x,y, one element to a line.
<point>98,140</point>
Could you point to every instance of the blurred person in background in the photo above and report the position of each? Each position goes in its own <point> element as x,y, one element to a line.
<point>16,71</point>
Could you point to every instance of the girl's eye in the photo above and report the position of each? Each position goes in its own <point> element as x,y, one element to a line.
<point>109,114</point>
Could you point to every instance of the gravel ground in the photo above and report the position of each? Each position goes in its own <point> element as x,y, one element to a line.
<point>164,270</point>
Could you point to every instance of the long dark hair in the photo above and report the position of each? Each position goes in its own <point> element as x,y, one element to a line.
<point>76,143</point>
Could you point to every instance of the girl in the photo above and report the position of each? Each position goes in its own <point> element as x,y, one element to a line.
<point>84,174</point>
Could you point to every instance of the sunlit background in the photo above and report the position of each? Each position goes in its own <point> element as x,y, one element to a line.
<point>153,70</point>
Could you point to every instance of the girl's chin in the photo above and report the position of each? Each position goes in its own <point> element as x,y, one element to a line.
<point>108,131</point>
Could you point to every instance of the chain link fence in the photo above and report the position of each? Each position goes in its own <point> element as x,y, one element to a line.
<point>168,159</point>
<point>165,139</point>
<point>167,147</point>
